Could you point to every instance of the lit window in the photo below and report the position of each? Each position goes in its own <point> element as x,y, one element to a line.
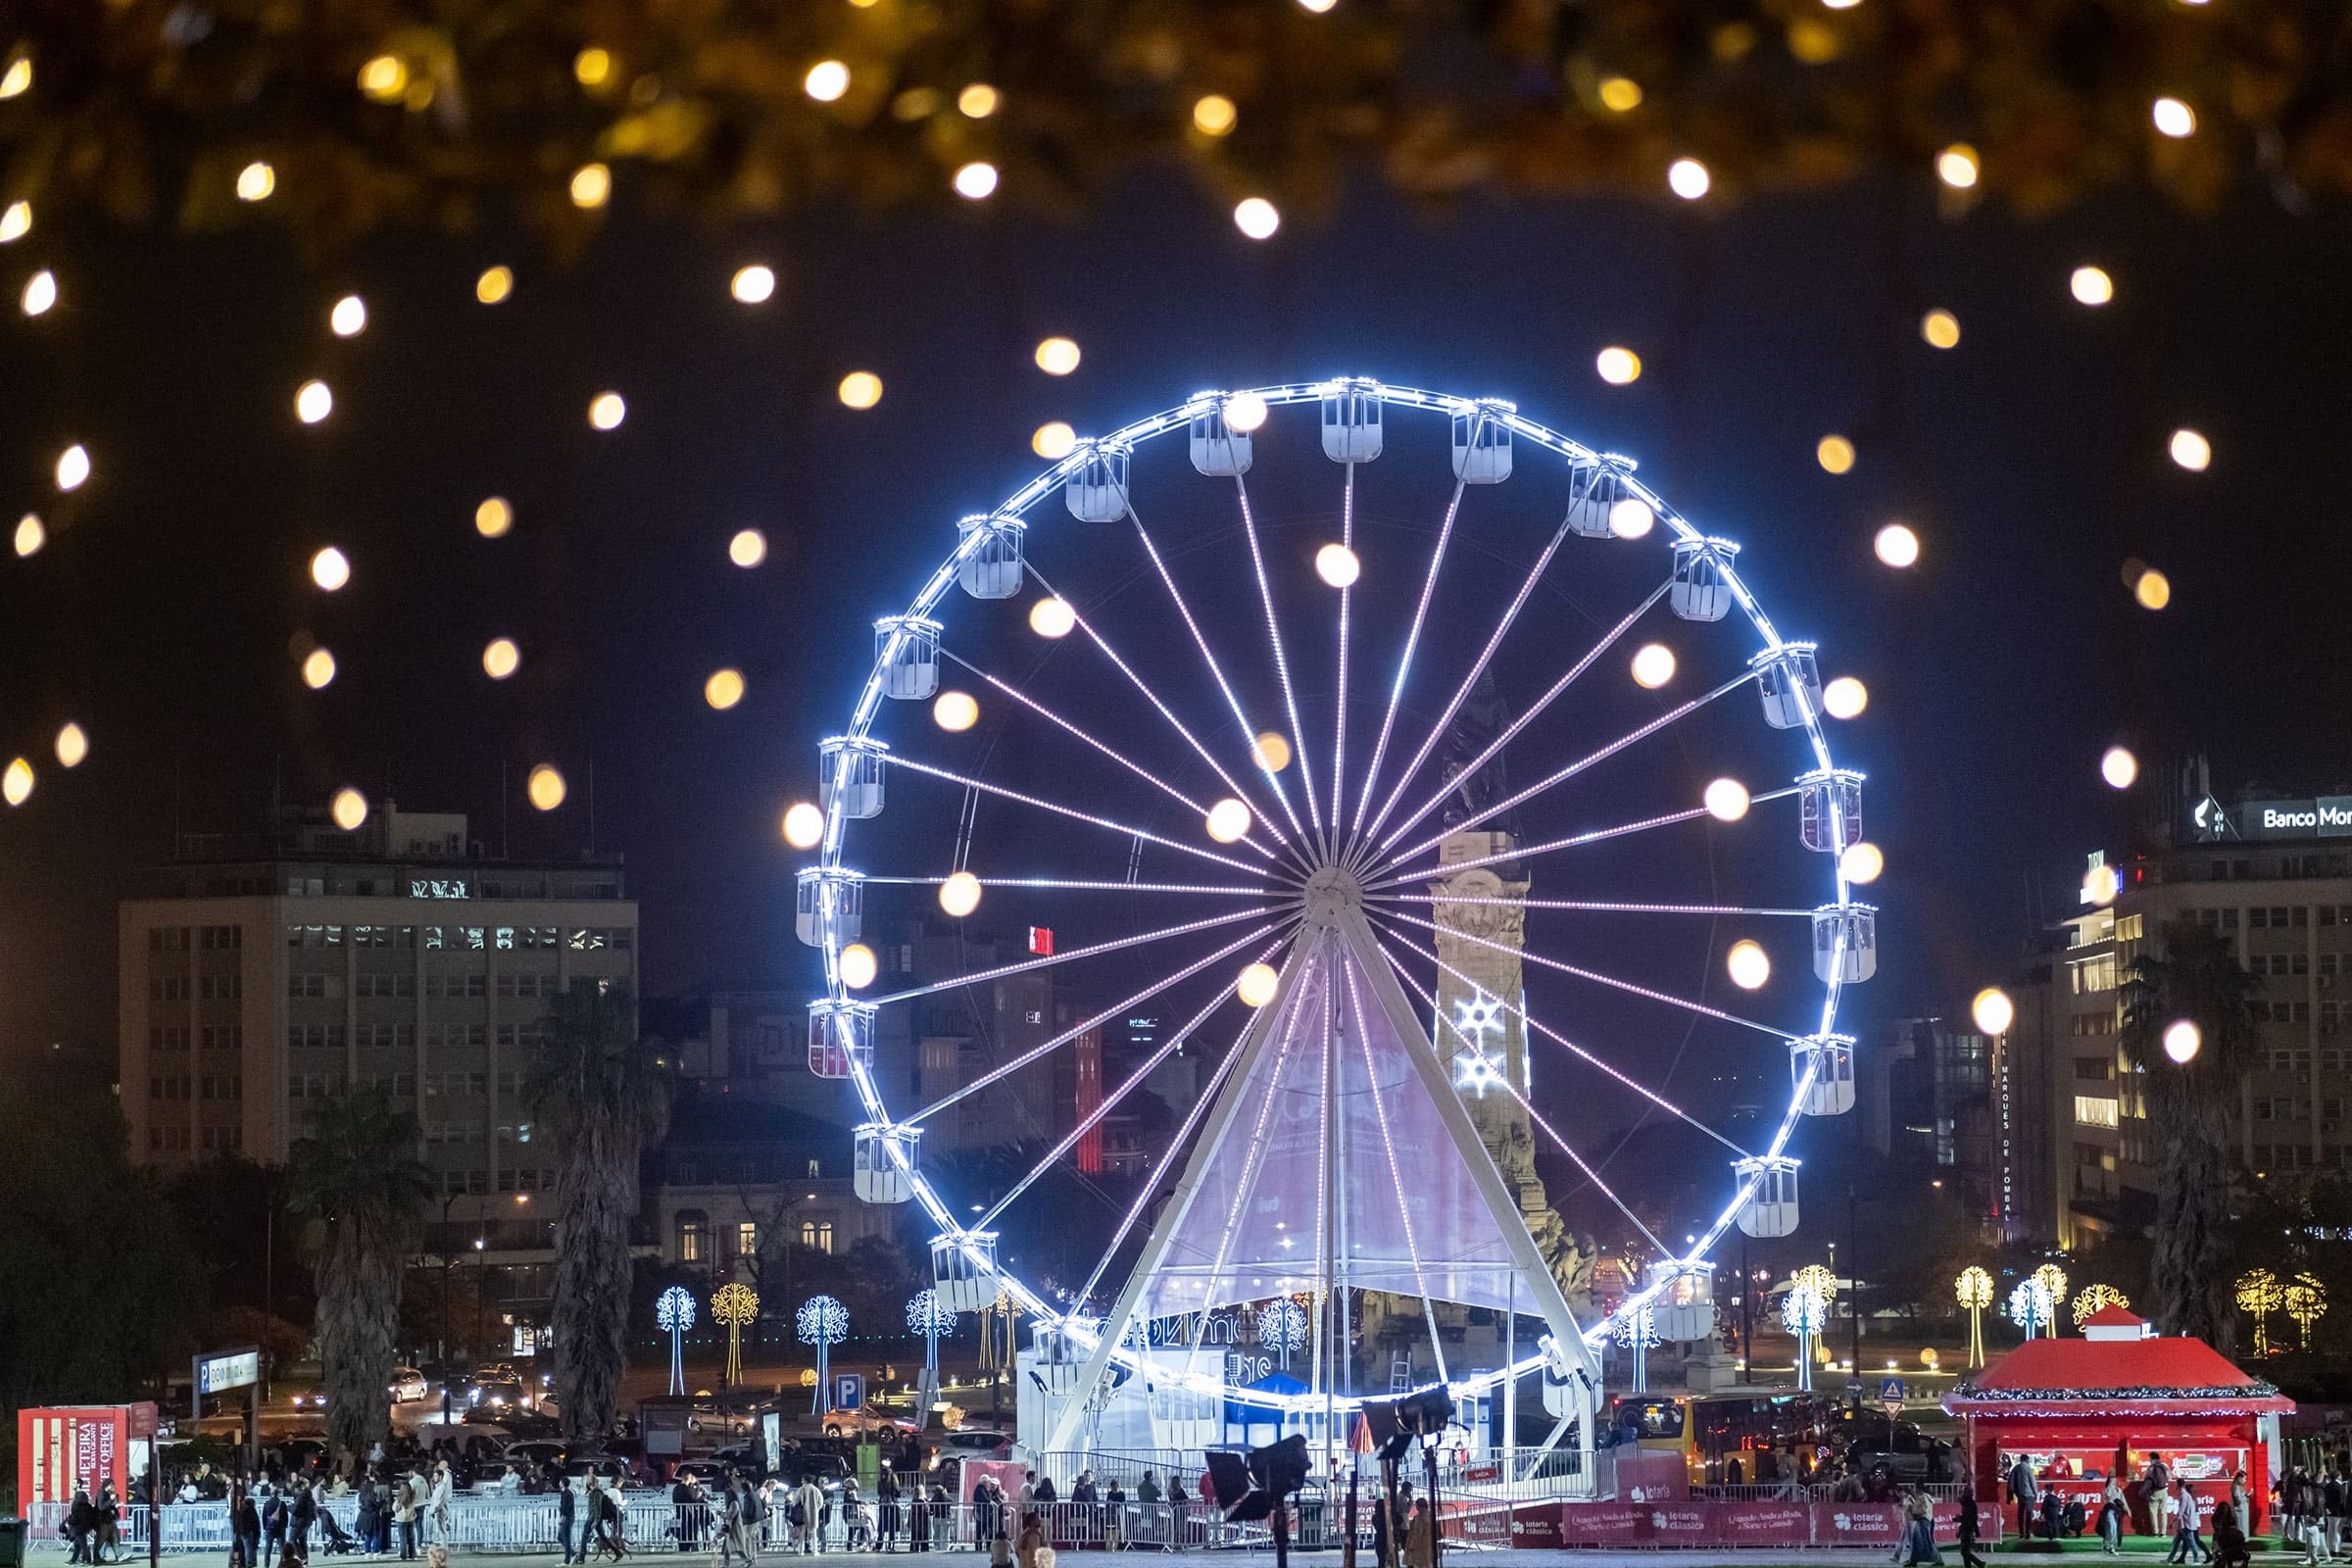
<point>694,1236</point>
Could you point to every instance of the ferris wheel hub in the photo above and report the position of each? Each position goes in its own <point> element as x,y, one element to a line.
<point>1332,892</point>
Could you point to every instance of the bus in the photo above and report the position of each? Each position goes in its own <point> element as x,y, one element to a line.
<point>1711,1431</point>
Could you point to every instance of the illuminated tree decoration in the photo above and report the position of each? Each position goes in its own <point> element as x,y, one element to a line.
<point>673,1314</point>
<point>734,1305</point>
<point>1804,1313</point>
<point>1819,1279</point>
<point>1974,1290</point>
<point>2306,1301</point>
<point>823,1321</point>
<point>2030,1308</point>
<point>2096,1298</point>
<point>2259,1295</point>
<point>2053,1281</point>
<point>924,1314</point>
<point>1637,1331</point>
<point>1282,1326</point>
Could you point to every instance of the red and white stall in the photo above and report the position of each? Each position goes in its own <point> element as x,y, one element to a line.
<point>2079,1410</point>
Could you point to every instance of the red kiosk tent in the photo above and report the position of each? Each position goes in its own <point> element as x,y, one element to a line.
<point>2079,1409</point>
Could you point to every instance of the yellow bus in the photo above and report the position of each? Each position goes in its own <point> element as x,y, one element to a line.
<point>1714,1430</point>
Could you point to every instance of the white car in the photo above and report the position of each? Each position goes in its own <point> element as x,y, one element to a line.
<point>407,1386</point>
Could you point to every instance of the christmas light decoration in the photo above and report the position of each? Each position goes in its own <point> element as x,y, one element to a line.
<point>673,1314</point>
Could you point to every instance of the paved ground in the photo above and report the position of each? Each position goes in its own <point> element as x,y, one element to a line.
<point>1849,1557</point>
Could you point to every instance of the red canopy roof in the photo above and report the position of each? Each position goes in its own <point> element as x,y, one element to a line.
<point>2102,1377</point>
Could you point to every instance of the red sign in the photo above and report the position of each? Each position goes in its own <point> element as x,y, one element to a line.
<point>1539,1526</point>
<point>1041,940</point>
<point>1764,1524</point>
<point>1602,1524</point>
<point>1653,1478</point>
<point>60,1448</point>
<point>1682,1524</point>
<point>1857,1524</point>
<point>1481,1472</point>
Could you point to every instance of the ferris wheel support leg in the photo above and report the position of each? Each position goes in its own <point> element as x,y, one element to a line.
<point>1501,1203</point>
<point>1230,1104</point>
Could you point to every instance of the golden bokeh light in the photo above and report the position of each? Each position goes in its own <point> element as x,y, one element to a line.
<point>1654,665</point>
<point>606,410</point>
<point>723,689</point>
<point>977,180</point>
<point>1957,166</point>
<point>72,745</point>
<point>960,894</point>
<point>748,548</point>
<point>1748,964</point>
<point>592,67</point>
<point>1257,985</point>
<point>15,222</point>
<point>500,659</point>
<point>859,966</point>
<point>1689,179</point>
<point>2172,117</point>
<point>493,518</point>
<point>1229,820</point>
<point>978,101</point>
<point>40,293</point>
<point>1338,565</point>
<point>349,318</point>
<point>1844,697</point>
<point>1940,328</point>
<point>350,809</point>
<point>1052,617</point>
<point>1631,517</point>
<point>1993,1011</point>
<point>1618,367</point>
<point>826,80</point>
<point>1896,545</point>
<point>330,568</point>
<point>1054,440</point>
<point>1620,95</point>
<point>860,389</point>
<point>1057,356</point>
<point>16,783</point>
<point>1215,115</point>
<point>73,466</point>
<point>314,400</point>
<point>1862,862</point>
<point>1256,218</point>
<point>31,534</point>
<point>755,285</point>
<point>17,80</point>
<point>2090,285</point>
<point>2102,884</point>
<point>545,787</point>
<point>1834,454</point>
<point>2118,767</point>
<point>804,825</point>
<point>1726,799</point>
<point>2152,589</point>
<point>590,185</point>
<point>255,181</point>
<point>955,712</point>
<point>385,78</point>
<point>494,284</point>
<point>1245,412</point>
<point>1271,752</point>
<point>317,668</point>
<point>2190,450</point>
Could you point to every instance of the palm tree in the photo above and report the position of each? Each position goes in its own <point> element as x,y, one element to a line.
<point>2198,979</point>
<point>356,1179</point>
<point>602,1094</point>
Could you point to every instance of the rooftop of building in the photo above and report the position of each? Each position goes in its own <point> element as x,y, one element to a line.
<point>392,853</point>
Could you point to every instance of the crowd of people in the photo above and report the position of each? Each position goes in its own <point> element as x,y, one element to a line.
<point>2175,1508</point>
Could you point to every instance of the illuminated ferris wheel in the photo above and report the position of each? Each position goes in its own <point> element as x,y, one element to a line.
<point>1399,748</point>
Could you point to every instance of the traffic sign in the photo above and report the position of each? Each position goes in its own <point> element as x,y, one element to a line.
<point>1891,1393</point>
<point>849,1391</point>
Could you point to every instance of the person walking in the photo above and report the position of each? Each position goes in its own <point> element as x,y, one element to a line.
<point>2113,1509</point>
<point>726,1518</point>
<point>301,1513</point>
<point>604,1517</point>
<point>809,1504</point>
<point>943,1516</point>
<point>1919,1530</point>
<point>567,1516</point>
<point>2332,1508</point>
<point>1033,1540</point>
<point>443,1507</point>
<point>687,1504</point>
<point>405,1494</point>
<point>81,1525</point>
<point>2024,1493</point>
<point>244,1529</point>
<point>2189,1545</point>
<point>1969,1523</point>
<point>886,1494</point>
<point>107,1538</point>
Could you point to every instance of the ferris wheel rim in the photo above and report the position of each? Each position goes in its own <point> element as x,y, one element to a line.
<point>1016,505</point>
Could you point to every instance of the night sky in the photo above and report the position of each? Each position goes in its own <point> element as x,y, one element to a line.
<point>2031,458</point>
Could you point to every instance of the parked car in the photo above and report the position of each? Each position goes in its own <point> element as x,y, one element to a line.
<point>501,1393</point>
<point>408,1385</point>
<point>536,1454</point>
<point>1897,1450</point>
<point>869,1418</point>
<point>975,1442</point>
<point>827,1470</point>
<point>515,1420</point>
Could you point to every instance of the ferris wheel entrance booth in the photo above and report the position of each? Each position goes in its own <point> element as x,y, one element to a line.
<point>2079,1410</point>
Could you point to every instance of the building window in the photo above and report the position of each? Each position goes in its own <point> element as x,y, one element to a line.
<point>816,1233</point>
<point>2094,1110</point>
<point>694,1236</point>
<point>747,1239</point>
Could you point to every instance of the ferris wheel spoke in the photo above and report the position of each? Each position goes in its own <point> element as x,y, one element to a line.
<point>1412,640</point>
<point>1073,955</point>
<point>1150,1189</point>
<point>964,781</point>
<point>1388,1143</point>
<point>1102,645</point>
<point>1215,670</point>
<point>1339,733</point>
<point>1282,665</point>
<point>1609,639</point>
<point>1574,840</point>
<point>1590,906</point>
<point>1038,1052</point>
<point>1520,1013</point>
<point>1641,732</point>
<point>1058,885</point>
<point>1117,756</point>
<point>1111,1102</point>
<point>1595,977</point>
<point>1492,1074</point>
<point>1461,694</point>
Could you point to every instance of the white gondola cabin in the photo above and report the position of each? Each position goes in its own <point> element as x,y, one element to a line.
<point>1684,1308</point>
<point>1828,808</point>
<point>834,890</point>
<point>1218,450</point>
<point>839,1034</point>
<point>1700,591</point>
<point>1594,488</point>
<point>1096,489</point>
<point>848,775</point>
<point>908,648</point>
<point>1771,1206</point>
<point>1481,443</point>
<point>1056,1360</point>
<point>991,568</point>
<point>1790,679</point>
<point>883,1162</point>
<point>1829,1061</point>
<point>964,1270</point>
<point>1351,421</point>
<point>1846,941</point>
